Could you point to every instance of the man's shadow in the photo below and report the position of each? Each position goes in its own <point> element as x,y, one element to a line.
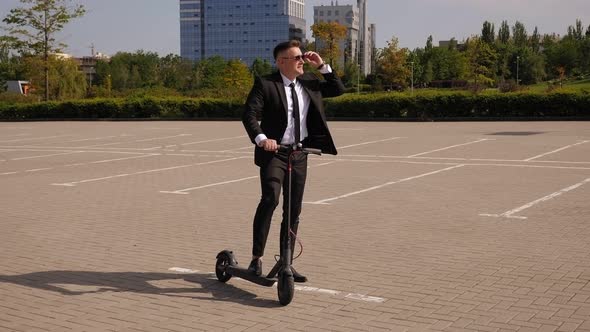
<point>136,282</point>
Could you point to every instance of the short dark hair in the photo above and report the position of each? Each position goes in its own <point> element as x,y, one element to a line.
<point>285,46</point>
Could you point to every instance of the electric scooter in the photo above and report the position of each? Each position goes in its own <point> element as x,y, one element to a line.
<point>227,265</point>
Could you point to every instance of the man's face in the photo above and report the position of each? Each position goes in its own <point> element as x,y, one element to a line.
<point>290,62</point>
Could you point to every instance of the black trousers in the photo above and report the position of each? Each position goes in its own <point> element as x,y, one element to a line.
<point>273,177</point>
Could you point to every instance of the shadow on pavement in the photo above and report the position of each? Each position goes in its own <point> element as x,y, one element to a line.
<point>136,282</point>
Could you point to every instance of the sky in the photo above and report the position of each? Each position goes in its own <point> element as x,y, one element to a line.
<point>153,25</point>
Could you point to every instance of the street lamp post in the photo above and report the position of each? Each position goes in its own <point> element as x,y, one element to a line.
<point>412,80</point>
<point>517,60</point>
<point>358,78</point>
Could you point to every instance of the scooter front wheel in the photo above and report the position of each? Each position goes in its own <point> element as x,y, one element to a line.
<point>223,261</point>
<point>285,287</point>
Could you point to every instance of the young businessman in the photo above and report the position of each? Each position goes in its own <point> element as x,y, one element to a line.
<point>291,111</point>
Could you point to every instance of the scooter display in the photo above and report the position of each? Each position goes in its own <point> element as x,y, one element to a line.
<point>227,265</point>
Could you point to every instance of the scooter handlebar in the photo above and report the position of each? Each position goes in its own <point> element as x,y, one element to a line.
<point>290,148</point>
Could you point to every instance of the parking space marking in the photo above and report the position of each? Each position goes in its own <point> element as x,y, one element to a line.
<point>325,201</point>
<point>81,164</point>
<point>74,183</point>
<point>34,138</point>
<point>301,288</point>
<point>510,214</point>
<point>372,142</point>
<point>139,140</point>
<point>213,140</point>
<point>452,146</point>
<point>186,190</point>
<point>555,151</point>
<point>97,138</point>
<point>47,155</point>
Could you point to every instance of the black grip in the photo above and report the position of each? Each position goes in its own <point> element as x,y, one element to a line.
<point>312,151</point>
<point>292,148</point>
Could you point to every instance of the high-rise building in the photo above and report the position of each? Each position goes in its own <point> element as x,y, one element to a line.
<point>238,29</point>
<point>359,46</point>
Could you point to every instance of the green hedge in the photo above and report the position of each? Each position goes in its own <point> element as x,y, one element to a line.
<point>448,105</point>
<point>424,106</point>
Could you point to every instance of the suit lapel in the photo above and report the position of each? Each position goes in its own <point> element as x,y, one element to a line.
<point>278,81</point>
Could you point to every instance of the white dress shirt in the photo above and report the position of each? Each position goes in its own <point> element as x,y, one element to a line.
<point>304,102</point>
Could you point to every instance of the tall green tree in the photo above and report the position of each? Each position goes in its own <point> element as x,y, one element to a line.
<point>481,62</point>
<point>504,33</point>
<point>35,25</point>
<point>519,35</point>
<point>536,41</point>
<point>488,33</point>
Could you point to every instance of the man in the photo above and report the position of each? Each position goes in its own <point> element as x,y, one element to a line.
<point>282,100</point>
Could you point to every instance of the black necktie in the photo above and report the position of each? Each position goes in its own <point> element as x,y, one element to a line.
<point>297,123</point>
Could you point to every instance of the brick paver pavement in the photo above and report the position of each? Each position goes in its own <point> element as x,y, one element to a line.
<point>114,226</point>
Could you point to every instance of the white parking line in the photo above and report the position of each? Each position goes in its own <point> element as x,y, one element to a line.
<point>509,214</point>
<point>301,288</point>
<point>554,151</point>
<point>74,183</point>
<point>325,201</point>
<point>185,191</point>
<point>47,155</point>
<point>34,138</point>
<point>365,143</point>
<point>97,138</point>
<point>452,146</point>
<point>213,140</point>
<point>139,140</point>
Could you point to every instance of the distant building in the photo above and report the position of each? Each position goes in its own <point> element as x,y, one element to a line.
<point>238,29</point>
<point>87,64</point>
<point>359,45</point>
<point>21,87</point>
<point>447,43</point>
<point>348,16</point>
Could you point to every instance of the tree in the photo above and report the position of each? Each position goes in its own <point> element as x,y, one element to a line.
<point>11,67</point>
<point>487,32</point>
<point>174,72</point>
<point>519,35</point>
<point>37,24</point>
<point>504,33</point>
<point>261,67</point>
<point>481,60</point>
<point>536,41</point>
<point>576,32</point>
<point>329,35</point>
<point>66,80</point>
<point>392,66</point>
<point>237,78</point>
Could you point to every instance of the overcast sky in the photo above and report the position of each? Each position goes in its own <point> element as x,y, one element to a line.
<point>153,25</point>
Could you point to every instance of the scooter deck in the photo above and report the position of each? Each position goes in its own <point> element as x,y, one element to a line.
<point>247,275</point>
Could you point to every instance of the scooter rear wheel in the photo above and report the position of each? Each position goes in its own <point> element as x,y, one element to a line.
<point>285,288</point>
<point>223,261</point>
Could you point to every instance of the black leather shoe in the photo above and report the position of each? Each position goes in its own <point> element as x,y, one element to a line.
<point>298,277</point>
<point>255,267</point>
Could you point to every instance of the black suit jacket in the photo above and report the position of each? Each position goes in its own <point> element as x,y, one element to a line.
<point>268,100</point>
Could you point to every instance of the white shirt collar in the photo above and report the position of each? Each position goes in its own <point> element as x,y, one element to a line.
<point>287,81</point>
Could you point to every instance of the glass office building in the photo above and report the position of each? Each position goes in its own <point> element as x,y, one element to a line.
<point>238,29</point>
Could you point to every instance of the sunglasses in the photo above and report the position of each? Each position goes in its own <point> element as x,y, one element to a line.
<point>296,58</point>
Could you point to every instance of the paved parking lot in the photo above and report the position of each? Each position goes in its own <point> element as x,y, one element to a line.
<point>467,226</point>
